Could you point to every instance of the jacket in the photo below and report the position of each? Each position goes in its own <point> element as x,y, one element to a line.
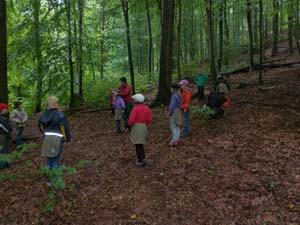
<point>186,97</point>
<point>119,103</point>
<point>18,116</point>
<point>174,103</point>
<point>201,79</point>
<point>52,120</point>
<point>5,127</point>
<point>140,114</point>
<point>125,92</point>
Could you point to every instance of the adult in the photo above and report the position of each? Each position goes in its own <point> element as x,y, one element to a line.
<point>186,96</point>
<point>53,124</point>
<point>200,80</point>
<point>5,130</point>
<point>124,91</point>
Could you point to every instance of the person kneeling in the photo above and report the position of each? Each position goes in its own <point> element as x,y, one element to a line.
<point>139,119</point>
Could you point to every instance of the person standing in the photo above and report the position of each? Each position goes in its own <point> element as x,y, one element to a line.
<point>139,120</point>
<point>18,118</point>
<point>5,130</point>
<point>119,106</point>
<point>200,80</point>
<point>186,96</point>
<point>175,115</point>
<point>124,91</point>
<point>54,127</point>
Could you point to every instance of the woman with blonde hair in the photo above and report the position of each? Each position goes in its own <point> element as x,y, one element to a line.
<point>53,124</point>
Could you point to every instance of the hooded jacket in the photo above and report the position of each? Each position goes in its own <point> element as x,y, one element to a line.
<point>51,121</point>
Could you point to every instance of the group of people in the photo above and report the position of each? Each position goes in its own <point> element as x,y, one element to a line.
<point>18,119</point>
<point>52,124</point>
<point>132,110</point>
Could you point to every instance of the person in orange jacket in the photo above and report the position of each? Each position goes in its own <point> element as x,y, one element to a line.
<point>186,96</point>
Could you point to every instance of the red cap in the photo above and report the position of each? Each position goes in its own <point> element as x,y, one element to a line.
<point>3,106</point>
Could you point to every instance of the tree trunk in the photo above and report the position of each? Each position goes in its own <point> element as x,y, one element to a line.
<point>179,39</point>
<point>221,35</point>
<point>80,48</point>
<point>165,73</point>
<point>150,41</point>
<point>261,25</point>
<point>71,71</point>
<point>210,27</point>
<point>275,27</point>
<point>250,33</point>
<point>128,39</point>
<point>102,47</point>
<point>3,53</point>
<point>297,25</point>
<point>290,34</point>
<point>38,55</point>
<point>226,24</point>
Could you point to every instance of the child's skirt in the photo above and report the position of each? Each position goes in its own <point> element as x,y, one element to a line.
<point>139,133</point>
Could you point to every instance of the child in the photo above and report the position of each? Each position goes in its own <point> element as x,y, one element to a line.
<point>19,118</point>
<point>53,124</point>
<point>201,81</point>
<point>186,96</point>
<point>139,119</point>
<point>175,115</point>
<point>5,130</point>
<point>223,88</point>
<point>119,106</point>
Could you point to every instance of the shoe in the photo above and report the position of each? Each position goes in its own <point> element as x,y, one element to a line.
<point>172,143</point>
<point>141,164</point>
<point>48,183</point>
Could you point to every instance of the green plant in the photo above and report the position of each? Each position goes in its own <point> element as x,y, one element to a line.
<point>203,110</point>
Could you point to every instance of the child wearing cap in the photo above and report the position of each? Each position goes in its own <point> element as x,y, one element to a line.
<point>19,118</point>
<point>175,115</point>
<point>5,130</point>
<point>119,106</point>
<point>139,119</point>
<point>186,96</point>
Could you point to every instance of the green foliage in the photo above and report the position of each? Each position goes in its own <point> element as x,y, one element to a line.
<point>203,110</point>
<point>18,153</point>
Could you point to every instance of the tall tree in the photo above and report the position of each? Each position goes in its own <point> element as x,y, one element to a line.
<point>150,41</point>
<point>250,33</point>
<point>3,53</point>
<point>179,39</point>
<point>71,69</point>
<point>165,72</point>
<point>261,37</point>
<point>210,32</point>
<point>275,27</point>
<point>80,4</point>
<point>221,35</point>
<point>102,28</point>
<point>128,39</point>
<point>38,54</point>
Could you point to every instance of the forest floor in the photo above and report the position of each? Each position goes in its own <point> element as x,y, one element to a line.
<point>240,169</point>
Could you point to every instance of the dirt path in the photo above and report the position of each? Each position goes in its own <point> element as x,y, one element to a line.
<point>242,169</point>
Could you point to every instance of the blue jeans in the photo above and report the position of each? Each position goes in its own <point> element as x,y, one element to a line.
<point>186,122</point>
<point>54,162</point>
<point>4,150</point>
<point>19,134</point>
<point>175,129</point>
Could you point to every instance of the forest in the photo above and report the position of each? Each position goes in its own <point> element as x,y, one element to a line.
<point>241,168</point>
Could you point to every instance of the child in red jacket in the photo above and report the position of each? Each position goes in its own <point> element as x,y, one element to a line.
<point>186,96</point>
<point>139,119</point>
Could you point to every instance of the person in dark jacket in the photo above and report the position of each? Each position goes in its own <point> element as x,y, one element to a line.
<point>5,130</point>
<point>53,122</point>
<point>215,101</point>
